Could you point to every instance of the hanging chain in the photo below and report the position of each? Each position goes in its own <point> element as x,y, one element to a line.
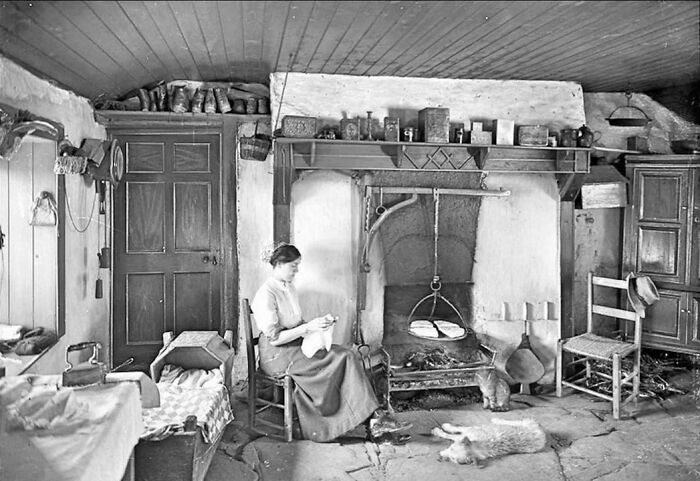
<point>436,200</point>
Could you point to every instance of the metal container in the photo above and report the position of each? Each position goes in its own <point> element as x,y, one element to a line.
<point>434,123</point>
<point>298,126</point>
<point>504,130</point>
<point>391,129</point>
<point>569,138</point>
<point>533,135</point>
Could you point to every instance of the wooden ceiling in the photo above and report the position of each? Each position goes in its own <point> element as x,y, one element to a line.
<point>112,47</point>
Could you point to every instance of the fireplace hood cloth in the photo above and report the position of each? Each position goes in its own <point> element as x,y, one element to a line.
<point>332,394</point>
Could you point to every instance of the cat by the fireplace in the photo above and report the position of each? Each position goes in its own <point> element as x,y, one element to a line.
<point>473,444</point>
<point>494,390</point>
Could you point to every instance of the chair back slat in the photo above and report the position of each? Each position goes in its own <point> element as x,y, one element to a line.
<point>608,282</point>
<point>614,312</point>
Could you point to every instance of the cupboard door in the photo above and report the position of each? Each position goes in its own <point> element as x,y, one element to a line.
<point>693,328</point>
<point>661,213</point>
<point>665,320</point>
<point>694,239</point>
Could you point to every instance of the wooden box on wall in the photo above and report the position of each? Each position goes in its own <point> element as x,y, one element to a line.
<point>434,125</point>
<point>604,187</point>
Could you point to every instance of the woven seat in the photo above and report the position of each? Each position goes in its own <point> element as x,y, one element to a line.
<point>599,347</point>
<point>589,347</point>
<point>281,386</point>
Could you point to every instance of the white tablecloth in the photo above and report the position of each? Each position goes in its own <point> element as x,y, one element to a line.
<point>97,450</point>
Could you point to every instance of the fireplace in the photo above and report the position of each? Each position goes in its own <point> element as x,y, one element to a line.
<point>428,239</point>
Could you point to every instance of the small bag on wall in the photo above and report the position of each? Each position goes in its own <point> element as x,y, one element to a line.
<point>44,210</point>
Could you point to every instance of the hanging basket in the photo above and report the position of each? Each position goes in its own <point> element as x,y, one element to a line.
<point>256,147</point>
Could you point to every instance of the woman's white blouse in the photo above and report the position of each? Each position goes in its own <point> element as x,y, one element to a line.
<point>276,307</point>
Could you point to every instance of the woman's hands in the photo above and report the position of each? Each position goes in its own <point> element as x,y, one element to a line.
<point>320,323</point>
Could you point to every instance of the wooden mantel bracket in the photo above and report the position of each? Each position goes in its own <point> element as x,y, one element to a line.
<point>569,186</point>
<point>480,155</point>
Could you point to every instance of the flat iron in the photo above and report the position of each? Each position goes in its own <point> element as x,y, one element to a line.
<point>87,373</point>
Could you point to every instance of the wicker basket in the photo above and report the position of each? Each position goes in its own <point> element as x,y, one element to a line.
<point>256,147</point>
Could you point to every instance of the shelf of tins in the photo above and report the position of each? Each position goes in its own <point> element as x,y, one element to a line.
<point>301,154</point>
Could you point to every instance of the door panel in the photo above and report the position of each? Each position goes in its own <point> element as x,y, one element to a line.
<point>167,241</point>
<point>660,196</point>
<point>145,310</point>
<point>664,321</point>
<point>658,251</point>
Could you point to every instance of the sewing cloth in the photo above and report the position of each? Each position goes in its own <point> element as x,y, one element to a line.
<point>332,394</point>
<point>98,448</point>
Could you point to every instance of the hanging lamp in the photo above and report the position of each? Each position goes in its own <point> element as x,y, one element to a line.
<point>629,116</point>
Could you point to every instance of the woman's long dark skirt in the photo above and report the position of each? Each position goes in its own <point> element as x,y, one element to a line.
<point>332,394</point>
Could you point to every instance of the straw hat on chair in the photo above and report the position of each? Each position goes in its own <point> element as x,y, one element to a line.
<point>641,292</point>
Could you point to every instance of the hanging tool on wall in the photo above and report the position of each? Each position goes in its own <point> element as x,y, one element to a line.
<point>98,282</point>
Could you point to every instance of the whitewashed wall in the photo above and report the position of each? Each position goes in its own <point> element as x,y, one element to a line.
<point>517,257</point>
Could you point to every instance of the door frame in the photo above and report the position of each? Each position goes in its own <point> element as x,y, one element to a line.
<point>122,123</point>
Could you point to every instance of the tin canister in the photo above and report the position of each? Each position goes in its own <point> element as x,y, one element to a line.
<point>568,138</point>
<point>408,134</point>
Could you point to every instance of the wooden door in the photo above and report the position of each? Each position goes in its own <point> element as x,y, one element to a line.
<point>167,241</point>
<point>694,232</point>
<point>661,224</point>
<point>693,324</point>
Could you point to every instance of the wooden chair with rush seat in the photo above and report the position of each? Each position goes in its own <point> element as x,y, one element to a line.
<point>281,386</point>
<point>591,349</point>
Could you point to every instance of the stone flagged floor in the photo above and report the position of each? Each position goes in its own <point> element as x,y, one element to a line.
<point>657,440</point>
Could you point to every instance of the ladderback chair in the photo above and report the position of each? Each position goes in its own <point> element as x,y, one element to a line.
<point>282,386</point>
<point>596,352</point>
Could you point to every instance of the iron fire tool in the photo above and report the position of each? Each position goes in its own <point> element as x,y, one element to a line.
<point>435,286</point>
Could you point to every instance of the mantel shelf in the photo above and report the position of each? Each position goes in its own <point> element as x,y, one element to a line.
<point>306,154</point>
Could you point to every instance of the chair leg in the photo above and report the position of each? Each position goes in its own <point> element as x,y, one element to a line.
<point>637,376</point>
<point>288,409</point>
<point>560,366</point>
<point>251,401</point>
<point>616,394</point>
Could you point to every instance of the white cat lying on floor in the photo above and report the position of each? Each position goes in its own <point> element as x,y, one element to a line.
<point>471,444</point>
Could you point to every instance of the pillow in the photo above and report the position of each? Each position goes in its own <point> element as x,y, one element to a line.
<point>191,378</point>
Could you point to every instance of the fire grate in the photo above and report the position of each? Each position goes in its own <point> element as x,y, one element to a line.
<point>396,378</point>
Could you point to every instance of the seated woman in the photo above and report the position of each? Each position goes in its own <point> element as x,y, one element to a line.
<point>333,394</point>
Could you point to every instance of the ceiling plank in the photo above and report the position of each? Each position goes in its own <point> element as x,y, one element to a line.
<point>145,25</point>
<point>409,24</point>
<point>338,26</point>
<point>189,27</point>
<point>254,68</point>
<point>362,23</point>
<point>317,27</point>
<point>26,55</point>
<point>391,15</point>
<point>449,35</point>
<point>169,30</point>
<point>207,14</point>
<point>429,30</point>
<point>294,30</point>
<point>54,43</point>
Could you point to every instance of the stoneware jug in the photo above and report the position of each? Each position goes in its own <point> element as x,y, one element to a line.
<point>586,136</point>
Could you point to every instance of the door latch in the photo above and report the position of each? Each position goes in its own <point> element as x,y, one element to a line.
<point>207,259</point>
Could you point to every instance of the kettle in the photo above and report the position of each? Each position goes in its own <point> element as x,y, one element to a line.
<point>586,136</point>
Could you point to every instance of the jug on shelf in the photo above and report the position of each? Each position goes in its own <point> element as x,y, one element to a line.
<point>586,136</point>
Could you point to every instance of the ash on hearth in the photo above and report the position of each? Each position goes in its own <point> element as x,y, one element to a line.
<point>438,358</point>
<point>435,399</point>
